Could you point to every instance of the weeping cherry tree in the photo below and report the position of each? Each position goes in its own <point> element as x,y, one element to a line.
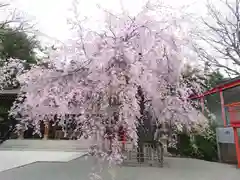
<point>97,76</point>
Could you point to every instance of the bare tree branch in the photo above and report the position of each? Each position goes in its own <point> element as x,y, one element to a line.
<point>15,21</point>
<point>221,38</point>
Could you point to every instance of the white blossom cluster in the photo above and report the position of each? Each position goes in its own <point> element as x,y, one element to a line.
<point>9,70</point>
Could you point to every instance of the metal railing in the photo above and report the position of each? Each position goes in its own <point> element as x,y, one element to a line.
<point>149,154</point>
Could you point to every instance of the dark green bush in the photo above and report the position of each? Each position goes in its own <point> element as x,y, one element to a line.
<point>198,146</point>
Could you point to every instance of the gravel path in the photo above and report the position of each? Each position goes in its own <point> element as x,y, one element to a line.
<point>79,169</point>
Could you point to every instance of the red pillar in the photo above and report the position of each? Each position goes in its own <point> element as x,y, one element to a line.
<point>237,145</point>
<point>223,109</point>
<point>202,104</point>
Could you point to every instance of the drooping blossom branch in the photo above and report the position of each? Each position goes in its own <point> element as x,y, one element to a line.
<point>134,52</point>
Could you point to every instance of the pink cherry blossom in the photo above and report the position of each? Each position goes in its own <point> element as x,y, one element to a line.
<point>99,76</point>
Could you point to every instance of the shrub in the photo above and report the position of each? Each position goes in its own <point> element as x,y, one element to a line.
<point>201,146</point>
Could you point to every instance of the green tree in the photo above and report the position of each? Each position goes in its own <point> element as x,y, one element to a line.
<point>15,43</point>
<point>17,49</point>
<point>215,78</point>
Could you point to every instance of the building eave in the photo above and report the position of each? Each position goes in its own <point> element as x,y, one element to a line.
<point>221,87</point>
<point>10,92</point>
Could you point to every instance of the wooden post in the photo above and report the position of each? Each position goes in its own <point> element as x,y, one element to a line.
<point>218,150</point>
<point>164,139</point>
<point>123,139</point>
<point>46,130</point>
<point>223,109</point>
<point>21,134</point>
<point>237,145</point>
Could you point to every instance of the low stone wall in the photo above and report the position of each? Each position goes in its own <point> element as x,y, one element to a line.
<point>45,145</point>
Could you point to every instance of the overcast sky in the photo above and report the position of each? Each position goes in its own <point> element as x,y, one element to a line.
<point>51,15</point>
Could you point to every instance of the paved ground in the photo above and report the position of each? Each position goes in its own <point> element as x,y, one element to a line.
<point>13,159</point>
<point>79,169</point>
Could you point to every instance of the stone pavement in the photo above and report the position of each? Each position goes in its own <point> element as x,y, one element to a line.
<point>13,159</point>
<point>79,169</point>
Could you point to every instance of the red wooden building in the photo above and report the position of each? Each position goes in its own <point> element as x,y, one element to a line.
<point>229,98</point>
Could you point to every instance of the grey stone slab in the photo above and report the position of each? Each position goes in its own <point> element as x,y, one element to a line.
<point>225,135</point>
<point>79,169</point>
<point>48,145</point>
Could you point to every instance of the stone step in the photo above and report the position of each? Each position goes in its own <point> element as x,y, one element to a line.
<point>144,164</point>
<point>50,145</point>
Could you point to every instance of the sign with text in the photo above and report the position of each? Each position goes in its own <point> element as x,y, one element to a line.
<point>225,135</point>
